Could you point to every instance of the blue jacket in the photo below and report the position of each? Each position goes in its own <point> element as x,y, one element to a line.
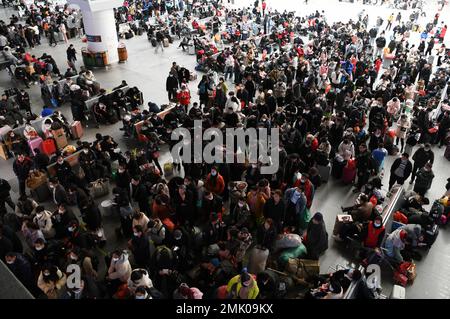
<point>300,204</point>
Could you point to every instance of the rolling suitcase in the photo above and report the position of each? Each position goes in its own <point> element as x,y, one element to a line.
<point>349,172</point>
<point>35,143</point>
<point>76,129</point>
<point>431,234</point>
<point>60,138</point>
<point>49,147</point>
<point>337,168</point>
<point>153,41</point>
<point>324,172</point>
<point>191,50</point>
<point>166,42</point>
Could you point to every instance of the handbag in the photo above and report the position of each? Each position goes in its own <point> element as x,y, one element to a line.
<point>99,188</point>
<point>303,268</point>
<point>36,179</point>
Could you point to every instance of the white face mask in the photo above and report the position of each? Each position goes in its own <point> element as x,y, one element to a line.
<point>85,151</point>
<point>141,297</point>
<point>73,257</point>
<point>70,229</point>
<point>10,262</point>
<point>241,205</point>
<point>136,234</point>
<point>60,162</point>
<point>39,248</point>
<point>115,259</point>
<point>213,173</point>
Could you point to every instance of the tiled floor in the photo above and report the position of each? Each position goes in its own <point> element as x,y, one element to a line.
<point>148,71</point>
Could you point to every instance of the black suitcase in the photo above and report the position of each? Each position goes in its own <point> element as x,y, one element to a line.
<point>41,194</point>
<point>431,234</point>
<point>153,40</point>
<point>129,35</point>
<point>337,168</point>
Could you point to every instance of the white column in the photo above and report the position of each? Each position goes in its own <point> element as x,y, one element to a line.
<point>100,29</point>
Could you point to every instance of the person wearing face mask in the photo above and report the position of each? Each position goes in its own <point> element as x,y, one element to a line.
<point>21,268</point>
<point>373,233</point>
<point>63,171</point>
<point>88,163</point>
<point>51,280</point>
<point>215,182</point>
<point>123,177</point>
<point>316,240</point>
<point>295,202</point>
<point>58,192</point>
<point>119,271</point>
<point>400,170</point>
<point>140,194</point>
<point>422,156</point>
<point>267,234</point>
<point>140,247</point>
<point>85,259</point>
<point>22,167</point>
<point>43,219</point>
<point>243,286</point>
<point>240,216</point>
<point>47,128</point>
<point>424,179</point>
<point>88,289</point>
<point>274,208</point>
<point>308,187</point>
<point>61,219</point>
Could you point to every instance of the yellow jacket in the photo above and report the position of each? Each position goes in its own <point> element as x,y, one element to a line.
<point>234,287</point>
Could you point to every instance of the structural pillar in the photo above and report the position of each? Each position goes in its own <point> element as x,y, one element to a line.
<point>100,26</point>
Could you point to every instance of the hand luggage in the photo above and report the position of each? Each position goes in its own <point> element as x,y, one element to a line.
<point>324,172</point>
<point>99,188</point>
<point>193,76</point>
<point>35,143</point>
<point>258,259</point>
<point>349,172</point>
<point>431,234</point>
<point>3,151</point>
<point>153,41</point>
<point>191,50</point>
<point>49,147</point>
<point>288,241</point>
<point>303,268</point>
<point>341,219</point>
<point>41,193</point>
<point>400,279</point>
<point>292,253</point>
<point>60,138</point>
<point>129,35</point>
<point>166,42</point>
<point>36,179</point>
<point>168,169</point>
<point>337,168</point>
<point>398,292</point>
<point>76,129</point>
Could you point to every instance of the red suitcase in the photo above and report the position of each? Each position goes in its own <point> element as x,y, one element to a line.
<point>49,147</point>
<point>35,143</point>
<point>349,172</point>
<point>76,129</point>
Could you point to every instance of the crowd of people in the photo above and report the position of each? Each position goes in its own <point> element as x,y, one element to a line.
<point>343,97</point>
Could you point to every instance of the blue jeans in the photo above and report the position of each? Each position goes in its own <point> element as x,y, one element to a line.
<point>228,71</point>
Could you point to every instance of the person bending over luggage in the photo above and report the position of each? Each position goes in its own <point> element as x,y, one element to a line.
<point>395,244</point>
<point>243,286</point>
<point>362,211</point>
<point>316,240</point>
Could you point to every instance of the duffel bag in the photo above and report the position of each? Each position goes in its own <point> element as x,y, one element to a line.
<point>99,188</point>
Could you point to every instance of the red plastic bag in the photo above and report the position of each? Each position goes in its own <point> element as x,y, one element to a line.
<point>400,217</point>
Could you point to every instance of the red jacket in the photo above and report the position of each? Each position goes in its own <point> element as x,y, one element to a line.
<point>216,188</point>
<point>184,97</point>
<point>373,234</point>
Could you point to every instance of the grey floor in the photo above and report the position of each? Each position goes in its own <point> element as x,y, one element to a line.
<point>148,71</point>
